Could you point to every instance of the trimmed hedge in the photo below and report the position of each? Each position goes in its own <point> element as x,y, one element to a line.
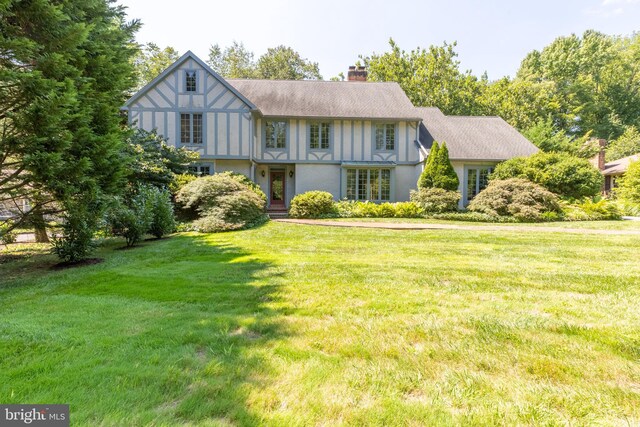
<point>312,204</point>
<point>358,209</point>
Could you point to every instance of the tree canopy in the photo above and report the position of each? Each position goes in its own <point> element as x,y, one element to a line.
<point>574,88</point>
<point>150,61</point>
<point>281,63</point>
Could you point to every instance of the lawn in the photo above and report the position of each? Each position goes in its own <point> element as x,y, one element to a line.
<point>304,325</point>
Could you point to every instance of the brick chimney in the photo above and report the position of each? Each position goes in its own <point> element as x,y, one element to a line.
<point>602,143</point>
<point>357,74</point>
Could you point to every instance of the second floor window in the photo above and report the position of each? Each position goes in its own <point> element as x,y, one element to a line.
<point>191,128</point>
<point>385,136</point>
<point>190,84</point>
<point>319,136</point>
<point>276,134</point>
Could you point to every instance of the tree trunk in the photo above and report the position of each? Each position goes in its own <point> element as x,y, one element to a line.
<point>39,226</point>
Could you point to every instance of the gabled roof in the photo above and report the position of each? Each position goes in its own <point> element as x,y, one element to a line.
<point>473,137</point>
<point>178,63</point>
<point>620,166</point>
<point>327,99</point>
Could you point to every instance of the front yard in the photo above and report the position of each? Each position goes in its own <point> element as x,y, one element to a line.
<point>296,325</point>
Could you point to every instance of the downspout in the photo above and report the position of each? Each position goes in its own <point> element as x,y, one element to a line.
<point>252,171</point>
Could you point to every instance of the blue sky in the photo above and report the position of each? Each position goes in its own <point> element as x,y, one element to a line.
<point>492,35</point>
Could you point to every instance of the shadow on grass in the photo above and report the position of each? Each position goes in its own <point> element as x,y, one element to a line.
<point>175,332</point>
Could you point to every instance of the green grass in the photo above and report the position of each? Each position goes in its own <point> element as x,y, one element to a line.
<point>301,325</point>
<point>599,225</point>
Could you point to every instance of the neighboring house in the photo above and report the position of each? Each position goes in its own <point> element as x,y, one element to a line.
<point>357,140</point>
<point>612,171</point>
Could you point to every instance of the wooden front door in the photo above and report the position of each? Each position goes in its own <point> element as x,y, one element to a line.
<point>276,189</point>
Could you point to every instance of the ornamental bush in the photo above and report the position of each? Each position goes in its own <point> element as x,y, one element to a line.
<point>438,171</point>
<point>436,200</point>
<point>519,198</point>
<point>560,173</point>
<point>312,204</point>
<point>221,203</point>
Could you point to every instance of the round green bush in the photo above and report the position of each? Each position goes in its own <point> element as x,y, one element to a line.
<point>436,200</point>
<point>220,203</point>
<point>312,204</point>
<point>560,173</point>
<point>519,198</point>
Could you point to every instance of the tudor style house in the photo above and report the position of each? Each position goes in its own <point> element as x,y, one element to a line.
<point>357,140</point>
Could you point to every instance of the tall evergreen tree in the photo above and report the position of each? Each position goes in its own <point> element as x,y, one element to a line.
<point>65,70</point>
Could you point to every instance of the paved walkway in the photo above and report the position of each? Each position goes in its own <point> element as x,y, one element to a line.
<point>428,226</point>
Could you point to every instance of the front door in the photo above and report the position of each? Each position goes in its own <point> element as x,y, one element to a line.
<point>277,189</point>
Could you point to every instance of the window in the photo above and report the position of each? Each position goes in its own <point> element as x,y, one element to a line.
<point>200,170</point>
<point>369,184</point>
<point>276,134</point>
<point>191,128</point>
<point>386,136</point>
<point>190,83</point>
<point>319,136</point>
<point>477,180</point>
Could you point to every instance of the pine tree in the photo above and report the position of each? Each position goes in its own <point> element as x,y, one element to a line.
<point>426,177</point>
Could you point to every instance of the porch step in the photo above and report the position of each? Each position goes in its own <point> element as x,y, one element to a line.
<point>277,214</point>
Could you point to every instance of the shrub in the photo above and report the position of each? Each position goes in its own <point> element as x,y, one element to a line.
<point>132,218</point>
<point>243,179</point>
<point>436,200</point>
<point>472,217</point>
<point>358,209</point>
<point>407,210</point>
<point>7,236</point>
<point>79,224</point>
<point>559,173</point>
<point>220,203</point>
<point>629,189</point>
<point>426,177</point>
<point>438,171</point>
<point>180,181</point>
<point>312,204</point>
<point>162,219</point>
<point>595,209</point>
<point>516,197</point>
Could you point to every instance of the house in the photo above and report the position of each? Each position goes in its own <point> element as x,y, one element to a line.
<point>357,140</point>
<point>476,145</point>
<point>612,171</point>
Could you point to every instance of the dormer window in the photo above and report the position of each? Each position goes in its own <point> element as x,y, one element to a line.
<point>190,83</point>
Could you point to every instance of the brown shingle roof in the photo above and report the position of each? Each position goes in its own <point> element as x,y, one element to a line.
<point>325,99</point>
<point>620,166</point>
<point>473,137</point>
